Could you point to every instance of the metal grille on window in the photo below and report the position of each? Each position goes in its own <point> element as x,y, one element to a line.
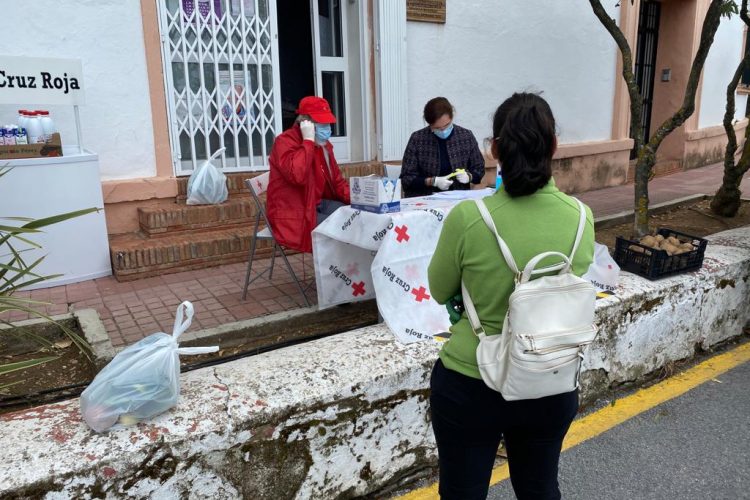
<point>645,64</point>
<point>222,81</point>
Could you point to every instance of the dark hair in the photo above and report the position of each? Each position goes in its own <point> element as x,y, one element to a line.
<point>435,108</point>
<point>523,131</point>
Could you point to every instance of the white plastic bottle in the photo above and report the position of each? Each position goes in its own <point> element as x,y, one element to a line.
<point>34,128</point>
<point>22,118</point>
<point>48,126</point>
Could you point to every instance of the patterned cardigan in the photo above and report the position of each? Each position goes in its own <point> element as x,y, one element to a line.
<point>422,160</point>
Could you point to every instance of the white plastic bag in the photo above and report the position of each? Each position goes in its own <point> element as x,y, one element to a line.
<point>142,380</point>
<point>603,273</point>
<point>207,184</point>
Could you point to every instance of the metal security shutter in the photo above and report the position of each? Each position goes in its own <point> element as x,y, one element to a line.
<point>221,75</point>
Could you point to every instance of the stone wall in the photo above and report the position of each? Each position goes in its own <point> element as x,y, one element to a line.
<point>346,415</point>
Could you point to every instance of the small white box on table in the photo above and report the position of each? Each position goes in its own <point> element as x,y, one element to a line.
<point>380,195</point>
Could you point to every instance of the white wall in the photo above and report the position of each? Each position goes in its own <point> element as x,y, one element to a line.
<point>107,35</point>
<point>488,49</point>
<point>720,66</point>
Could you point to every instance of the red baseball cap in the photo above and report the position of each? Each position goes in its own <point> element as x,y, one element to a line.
<point>316,108</point>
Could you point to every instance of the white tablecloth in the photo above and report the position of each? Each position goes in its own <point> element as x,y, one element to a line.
<point>360,255</point>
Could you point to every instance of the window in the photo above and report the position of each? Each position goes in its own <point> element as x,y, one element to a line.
<point>745,80</point>
<point>221,76</point>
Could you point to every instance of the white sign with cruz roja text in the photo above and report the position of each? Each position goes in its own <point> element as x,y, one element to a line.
<point>41,80</point>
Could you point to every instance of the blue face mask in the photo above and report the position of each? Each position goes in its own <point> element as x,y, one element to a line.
<point>322,132</point>
<point>443,134</point>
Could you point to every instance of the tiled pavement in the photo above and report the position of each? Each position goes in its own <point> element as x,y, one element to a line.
<point>617,199</point>
<point>135,309</point>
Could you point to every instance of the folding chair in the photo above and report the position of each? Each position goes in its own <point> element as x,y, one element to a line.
<point>257,186</point>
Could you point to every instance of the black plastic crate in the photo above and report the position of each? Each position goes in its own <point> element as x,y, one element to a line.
<point>654,264</point>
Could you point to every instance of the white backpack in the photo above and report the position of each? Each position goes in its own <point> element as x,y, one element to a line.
<point>549,324</point>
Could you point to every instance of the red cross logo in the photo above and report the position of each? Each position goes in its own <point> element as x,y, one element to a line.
<point>358,288</point>
<point>353,269</point>
<point>412,272</point>
<point>420,294</point>
<point>401,231</point>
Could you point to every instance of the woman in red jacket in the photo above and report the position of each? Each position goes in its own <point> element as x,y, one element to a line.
<point>305,184</point>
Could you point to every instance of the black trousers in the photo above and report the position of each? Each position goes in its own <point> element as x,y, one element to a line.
<point>469,419</point>
<point>325,208</point>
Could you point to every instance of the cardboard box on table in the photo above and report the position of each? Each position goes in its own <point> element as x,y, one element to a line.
<point>375,194</point>
<point>49,149</point>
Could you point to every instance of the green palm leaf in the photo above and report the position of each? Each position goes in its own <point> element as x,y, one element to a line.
<point>47,221</point>
<point>16,274</point>
<point>22,365</point>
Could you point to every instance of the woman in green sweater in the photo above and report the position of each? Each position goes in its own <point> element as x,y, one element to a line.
<point>468,418</point>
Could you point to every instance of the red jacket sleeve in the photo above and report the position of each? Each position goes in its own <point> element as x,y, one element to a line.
<point>296,159</point>
<point>341,185</point>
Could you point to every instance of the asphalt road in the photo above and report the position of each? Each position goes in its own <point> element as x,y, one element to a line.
<point>696,446</point>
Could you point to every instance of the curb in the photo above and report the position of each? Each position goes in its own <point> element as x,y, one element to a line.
<point>658,208</point>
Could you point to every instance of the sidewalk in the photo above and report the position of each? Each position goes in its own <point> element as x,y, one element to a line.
<point>618,199</point>
<point>133,310</point>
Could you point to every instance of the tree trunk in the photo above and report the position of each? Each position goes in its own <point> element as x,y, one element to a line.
<point>726,201</point>
<point>643,167</point>
<point>647,154</point>
<point>634,92</point>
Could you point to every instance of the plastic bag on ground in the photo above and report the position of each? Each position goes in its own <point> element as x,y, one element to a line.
<point>207,184</point>
<point>142,380</point>
<point>603,273</point>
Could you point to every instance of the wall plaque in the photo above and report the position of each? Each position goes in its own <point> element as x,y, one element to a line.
<point>428,11</point>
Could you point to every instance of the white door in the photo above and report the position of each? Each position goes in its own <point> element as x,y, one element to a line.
<point>331,68</point>
<point>221,74</point>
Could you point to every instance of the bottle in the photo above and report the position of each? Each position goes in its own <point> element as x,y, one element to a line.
<point>34,128</point>
<point>10,135</point>
<point>22,137</point>
<point>498,178</point>
<point>48,126</point>
<point>22,118</point>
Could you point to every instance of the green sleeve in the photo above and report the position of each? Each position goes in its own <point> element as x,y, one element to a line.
<point>444,272</point>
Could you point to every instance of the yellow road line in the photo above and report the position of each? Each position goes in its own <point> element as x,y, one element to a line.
<point>624,409</point>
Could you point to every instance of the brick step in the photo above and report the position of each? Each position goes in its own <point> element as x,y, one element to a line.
<point>135,256</point>
<point>179,218</point>
<point>235,185</point>
<point>236,181</point>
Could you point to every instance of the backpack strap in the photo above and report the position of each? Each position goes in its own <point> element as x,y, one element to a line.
<point>564,266</point>
<point>471,312</point>
<point>507,255</point>
<point>530,266</point>
<point>581,227</point>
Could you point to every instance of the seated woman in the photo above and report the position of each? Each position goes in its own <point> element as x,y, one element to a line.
<point>436,152</point>
<point>305,184</point>
<point>468,418</point>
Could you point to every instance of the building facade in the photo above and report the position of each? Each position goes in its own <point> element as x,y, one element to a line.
<point>169,82</point>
